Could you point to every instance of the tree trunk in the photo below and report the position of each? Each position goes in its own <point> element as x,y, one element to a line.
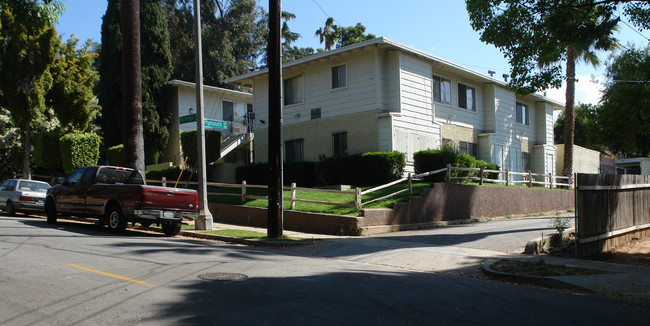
<point>131,85</point>
<point>569,116</point>
<point>27,145</point>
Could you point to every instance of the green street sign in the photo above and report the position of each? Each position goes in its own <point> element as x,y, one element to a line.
<point>216,124</point>
<point>187,118</point>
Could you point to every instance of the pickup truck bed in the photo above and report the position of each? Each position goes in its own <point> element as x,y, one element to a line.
<point>117,196</point>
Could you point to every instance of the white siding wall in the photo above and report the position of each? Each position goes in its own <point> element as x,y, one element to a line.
<point>414,129</point>
<point>389,81</point>
<point>451,113</point>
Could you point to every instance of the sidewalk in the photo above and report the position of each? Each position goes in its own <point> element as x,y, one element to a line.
<point>626,281</point>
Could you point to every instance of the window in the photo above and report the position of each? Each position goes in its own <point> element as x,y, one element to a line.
<point>106,175</point>
<point>293,90</point>
<point>466,97</point>
<point>525,161</point>
<point>340,143</point>
<point>441,90</point>
<point>522,113</point>
<point>294,150</point>
<point>315,113</point>
<point>227,111</point>
<point>339,77</point>
<point>468,148</point>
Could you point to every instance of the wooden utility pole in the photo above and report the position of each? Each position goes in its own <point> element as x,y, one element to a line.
<point>275,212</point>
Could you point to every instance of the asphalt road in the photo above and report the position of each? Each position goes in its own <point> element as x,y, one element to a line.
<point>77,274</point>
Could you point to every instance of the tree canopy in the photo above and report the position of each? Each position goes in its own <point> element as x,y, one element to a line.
<point>332,35</point>
<point>623,119</point>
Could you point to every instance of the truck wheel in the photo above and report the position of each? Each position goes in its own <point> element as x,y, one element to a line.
<point>11,210</point>
<point>171,230</point>
<point>116,220</point>
<point>50,210</point>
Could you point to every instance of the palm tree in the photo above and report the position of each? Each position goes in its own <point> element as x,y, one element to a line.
<point>131,86</point>
<point>328,34</point>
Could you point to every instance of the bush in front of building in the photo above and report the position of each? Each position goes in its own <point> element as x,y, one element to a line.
<point>302,173</point>
<point>432,160</point>
<point>79,149</point>
<point>171,174</point>
<point>364,169</point>
<point>212,146</point>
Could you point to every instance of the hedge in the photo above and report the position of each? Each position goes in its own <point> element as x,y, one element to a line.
<point>171,174</point>
<point>78,150</point>
<point>360,170</point>
<point>431,160</point>
<point>47,151</point>
<point>115,155</point>
<point>212,146</point>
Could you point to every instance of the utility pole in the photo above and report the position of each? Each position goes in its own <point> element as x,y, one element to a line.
<point>275,212</point>
<point>204,218</point>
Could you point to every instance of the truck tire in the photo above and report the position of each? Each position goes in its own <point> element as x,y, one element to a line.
<point>11,210</point>
<point>50,210</point>
<point>171,230</point>
<point>116,220</point>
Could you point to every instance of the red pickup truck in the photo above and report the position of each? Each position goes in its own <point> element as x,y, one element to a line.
<point>117,196</point>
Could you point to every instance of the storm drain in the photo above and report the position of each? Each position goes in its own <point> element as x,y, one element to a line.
<point>223,277</point>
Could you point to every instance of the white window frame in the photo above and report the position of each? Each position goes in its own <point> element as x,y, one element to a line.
<point>339,77</point>
<point>440,89</point>
<point>300,90</point>
<point>467,89</point>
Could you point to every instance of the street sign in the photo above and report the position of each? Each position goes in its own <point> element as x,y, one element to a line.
<point>187,118</point>
<point>216,124</point>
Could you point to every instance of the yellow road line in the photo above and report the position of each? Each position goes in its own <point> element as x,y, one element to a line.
<point>109,274</point>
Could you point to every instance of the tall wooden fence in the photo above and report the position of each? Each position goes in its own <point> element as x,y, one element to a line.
<point>610,211</point>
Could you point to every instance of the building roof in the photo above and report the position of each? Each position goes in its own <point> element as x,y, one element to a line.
<point>176,82</point>
<point>385,42</point>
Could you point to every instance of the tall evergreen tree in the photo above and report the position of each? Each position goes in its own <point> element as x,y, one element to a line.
<point>156,70</point>
<point>156,67</point>
<point>29,44</point>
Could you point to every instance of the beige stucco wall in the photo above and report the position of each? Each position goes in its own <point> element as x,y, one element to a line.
<point>362,129</point>
<point>584,160</point>
<point>458,133</point>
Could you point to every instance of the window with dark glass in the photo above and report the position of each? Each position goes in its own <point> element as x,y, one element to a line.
<point>340,143</point>
<point>468,148</point>
<point>522,113</point>
<point>293,90</point>
<point>228,110</point>
<point>466,97</point>
<point>339,76</point>
<point>441,90</point>
<point>294,150</point>
<point>315,113</point>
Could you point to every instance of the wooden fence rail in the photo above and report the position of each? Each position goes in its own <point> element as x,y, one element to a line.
<point>357,193</point>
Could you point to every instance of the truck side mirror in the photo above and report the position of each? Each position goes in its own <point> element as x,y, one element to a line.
<point>60,180</point>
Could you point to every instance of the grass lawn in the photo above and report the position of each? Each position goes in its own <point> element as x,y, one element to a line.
<point>347,198</point>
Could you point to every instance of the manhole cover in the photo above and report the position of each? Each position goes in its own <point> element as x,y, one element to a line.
<point>223,277</point>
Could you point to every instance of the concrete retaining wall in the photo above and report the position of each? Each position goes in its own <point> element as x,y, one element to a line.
<point>442,202</point>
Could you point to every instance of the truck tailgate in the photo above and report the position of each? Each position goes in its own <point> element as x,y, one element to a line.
<point>165,198</point>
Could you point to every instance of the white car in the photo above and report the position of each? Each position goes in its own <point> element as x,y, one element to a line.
<point>18,195</point>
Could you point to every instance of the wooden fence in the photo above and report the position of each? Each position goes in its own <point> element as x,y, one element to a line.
<point>610,211</point>
<point>528,178</point>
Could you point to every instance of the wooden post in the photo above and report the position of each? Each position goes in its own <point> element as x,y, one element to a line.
<point>507,178</point>
<point>243,192</point>
<point>357,199</point>
<point>550,181</point>
<point>448,173</point>
<point>480,176</point>
<point>410,186</point>
<point>164,182</point>
<point>530,179</point>
<point>293,195</point>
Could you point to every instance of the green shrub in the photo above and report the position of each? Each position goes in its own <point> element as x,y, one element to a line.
<point>302,173</point>
<point>431,160</point>
<point>47,151</point>
<point>78,150</point>
<point>212,146</point>
<point>488,166</point>
<point>171,174</point>
<point>371,168</point>
<point>115,155</point>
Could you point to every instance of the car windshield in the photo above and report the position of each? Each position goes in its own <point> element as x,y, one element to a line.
<point>33,186</point>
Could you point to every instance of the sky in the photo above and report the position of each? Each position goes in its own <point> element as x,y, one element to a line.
<point>438,27</point>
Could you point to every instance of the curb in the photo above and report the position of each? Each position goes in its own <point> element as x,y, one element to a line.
<point>247,242</point>
<point>544,281</point>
